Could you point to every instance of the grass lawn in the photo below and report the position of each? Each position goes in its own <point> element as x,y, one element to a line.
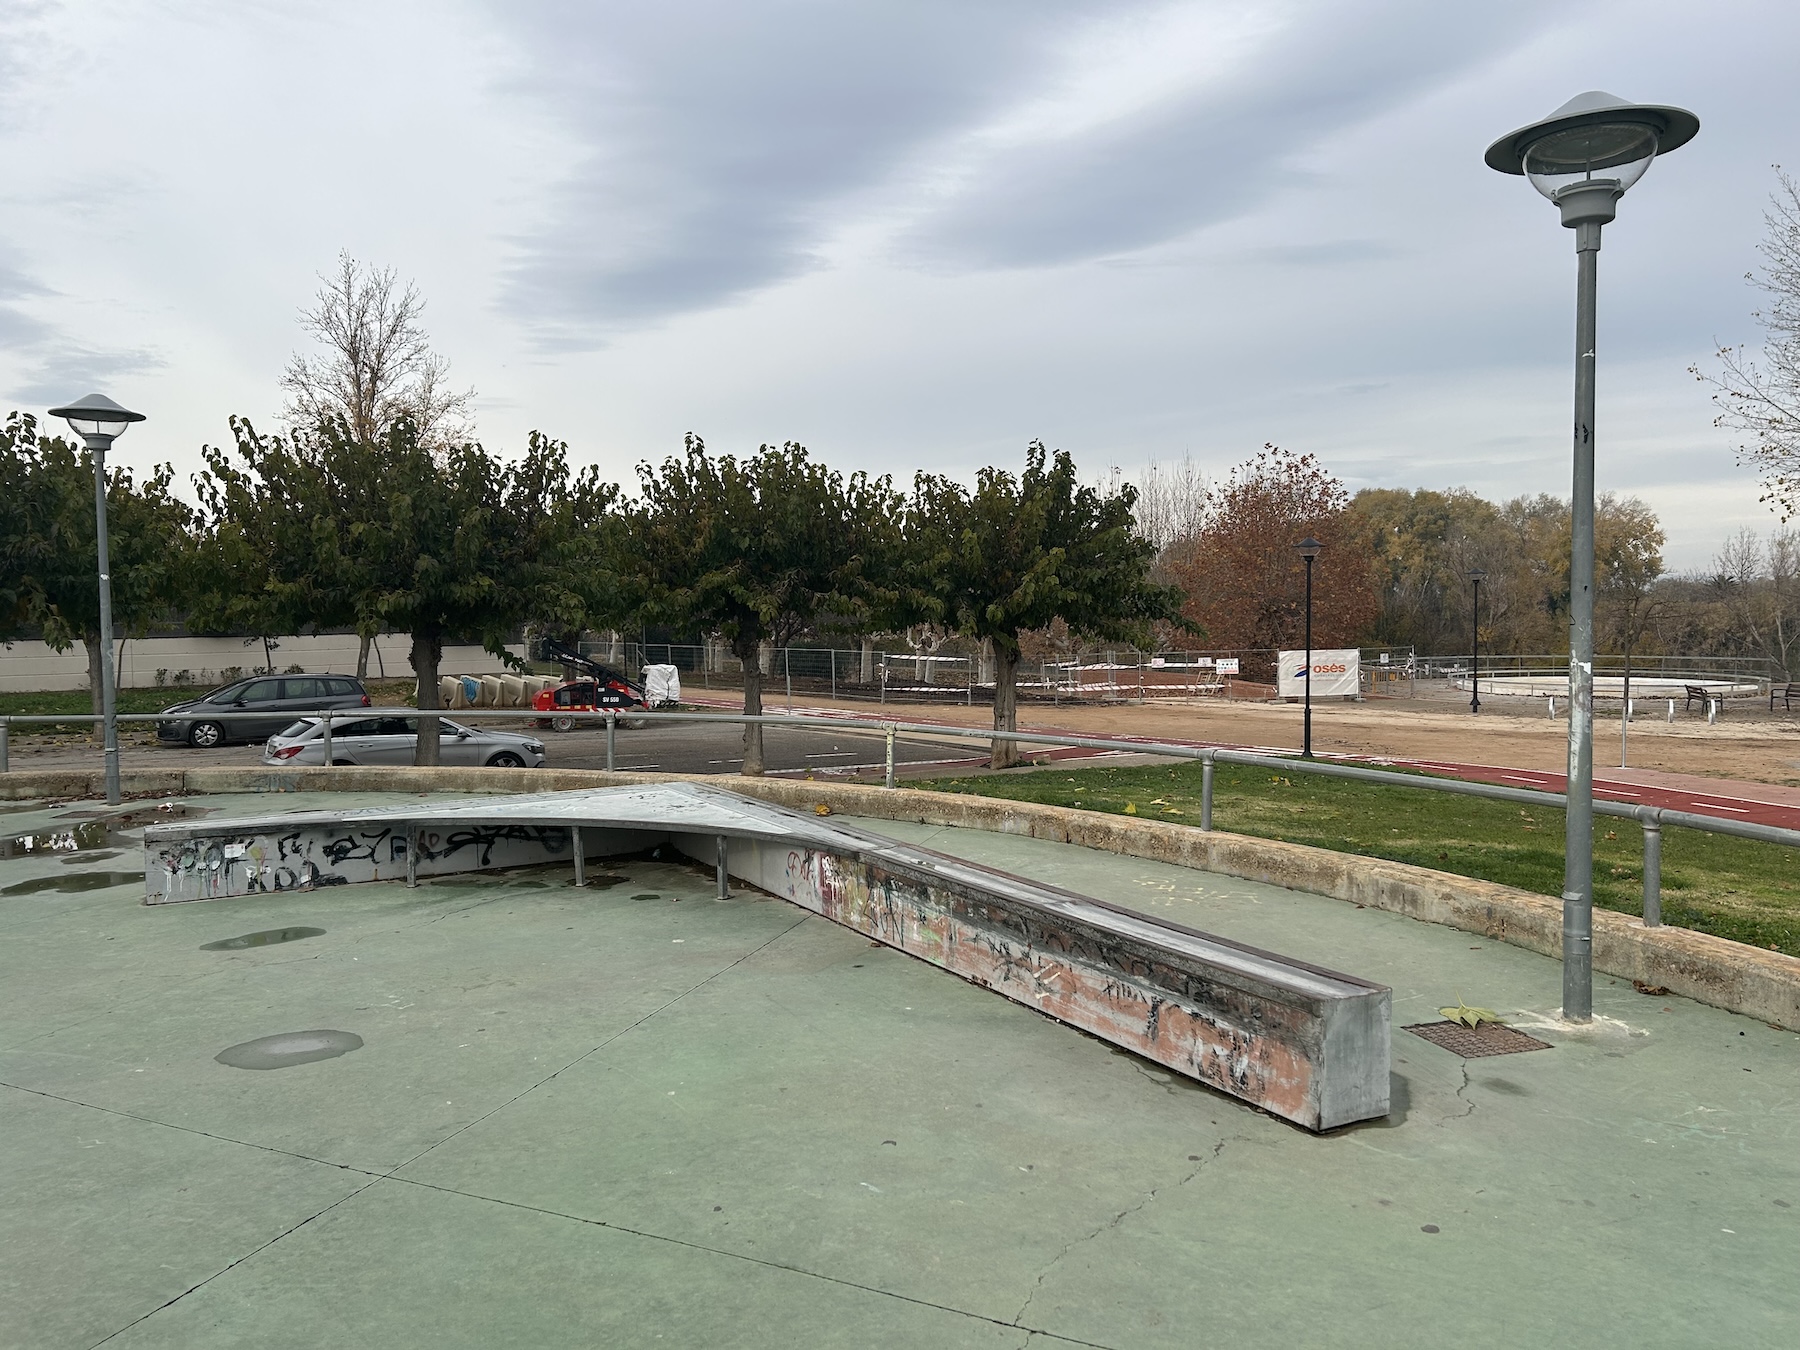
<point>1732,888</point>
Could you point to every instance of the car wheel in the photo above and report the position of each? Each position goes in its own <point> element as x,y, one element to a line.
<point>205,735</point>
<point>506,759</point>
<point>562,724</point>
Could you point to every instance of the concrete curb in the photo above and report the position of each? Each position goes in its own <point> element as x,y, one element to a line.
<point>1711,970</point>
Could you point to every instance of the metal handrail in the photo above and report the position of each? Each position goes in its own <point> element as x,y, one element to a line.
<point>1652,819</point>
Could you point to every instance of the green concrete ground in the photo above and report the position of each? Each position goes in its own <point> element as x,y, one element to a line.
<point>638,1115</point>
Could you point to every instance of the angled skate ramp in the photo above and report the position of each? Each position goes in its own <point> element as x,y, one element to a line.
<point>1304,1043</point>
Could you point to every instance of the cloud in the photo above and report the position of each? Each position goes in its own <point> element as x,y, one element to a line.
<point>1214,148</point>
<point>51,365</point>
<point>713,137</point>
<point>720,148</point>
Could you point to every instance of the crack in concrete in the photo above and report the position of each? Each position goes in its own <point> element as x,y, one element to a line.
<point>1459,1097</point>
<point>1109,1225</point>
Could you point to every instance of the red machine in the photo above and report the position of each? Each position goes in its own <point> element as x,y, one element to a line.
<point>599,688</point>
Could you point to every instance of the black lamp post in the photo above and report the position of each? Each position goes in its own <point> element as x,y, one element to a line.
<point>99,422</point>
<point>1584,157</point>
<point>1476,575</point>
<point>1308,548</point>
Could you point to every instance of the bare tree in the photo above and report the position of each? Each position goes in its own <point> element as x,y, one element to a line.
<point>1762,401</point>
<point>1757,583</point>
<point>377,366</point>
<point>1172,501</point>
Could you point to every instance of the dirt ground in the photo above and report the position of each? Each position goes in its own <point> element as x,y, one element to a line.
<point>1745,744</point>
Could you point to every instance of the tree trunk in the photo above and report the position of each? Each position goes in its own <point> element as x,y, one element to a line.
<point>868,660</point>
<point>753,732</point>
<point>427,649</point>
<point>1006,705</point>
<point>92,642</point>
<point>362,655</point>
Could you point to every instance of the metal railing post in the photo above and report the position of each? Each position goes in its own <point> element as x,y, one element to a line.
<point>327,720</point>
<point>1652,873</point>
<point>580,855</point>
<point>724,860</point>
<point>890,754</point>
<point>612,740</point>
<point>5,744</point>
<point>412,855</point>
<point>1206,790</point>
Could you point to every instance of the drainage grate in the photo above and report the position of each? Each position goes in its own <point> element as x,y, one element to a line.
<point>1490,1038</point>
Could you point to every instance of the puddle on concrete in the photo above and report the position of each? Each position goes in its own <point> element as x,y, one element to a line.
<point>605,881</point>
<point>95,834</point>
<point>77,859</point>
<point>133,816</point>
<point>74,882</point>
<point>646,895</point>
<point>267,938</point>
<point>289,1048</point>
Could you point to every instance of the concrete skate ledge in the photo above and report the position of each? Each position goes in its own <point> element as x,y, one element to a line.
<point>1710,970</point>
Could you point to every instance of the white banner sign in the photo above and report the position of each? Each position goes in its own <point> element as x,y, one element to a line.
<point>1335,674</point>
<point>1227,665</point>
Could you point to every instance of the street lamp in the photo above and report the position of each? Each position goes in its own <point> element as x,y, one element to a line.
<point>1477,576</point>
<point>1308,548</point>
<point>1583,157</point>
<point>99,422</point>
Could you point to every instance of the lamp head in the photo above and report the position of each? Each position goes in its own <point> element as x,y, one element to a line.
<point>1308,548</point>
<point>1587,153</point>
<point>97,415</point>
<point>1477,576</point>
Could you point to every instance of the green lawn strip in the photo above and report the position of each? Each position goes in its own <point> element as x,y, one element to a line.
<point>1733,888</point>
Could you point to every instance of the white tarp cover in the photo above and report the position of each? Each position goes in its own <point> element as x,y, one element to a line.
<point>1335,674</point>
<point>662,684</point>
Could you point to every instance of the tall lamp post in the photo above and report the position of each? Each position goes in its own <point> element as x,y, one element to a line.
<point>1477,576</point>
<point>1308,548</point>
<point>1583,157</point>
<point>99,422</point>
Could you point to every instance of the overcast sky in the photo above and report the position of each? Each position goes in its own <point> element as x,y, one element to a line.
<point>912,234</point>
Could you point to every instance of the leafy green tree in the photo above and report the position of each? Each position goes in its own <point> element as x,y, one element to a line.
<point>322,528</point>
<point>51,580</point>
<point>20,525</point>
<point>756,549</point>
<point>1018,553</point>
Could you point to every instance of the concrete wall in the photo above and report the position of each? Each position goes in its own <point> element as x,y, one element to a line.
<point>31,666</point>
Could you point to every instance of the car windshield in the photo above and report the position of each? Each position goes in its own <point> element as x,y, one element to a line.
<point>299,730</point>
<point>225,693</point>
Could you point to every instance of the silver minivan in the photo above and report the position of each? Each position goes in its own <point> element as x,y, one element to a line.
<point>391,736</point>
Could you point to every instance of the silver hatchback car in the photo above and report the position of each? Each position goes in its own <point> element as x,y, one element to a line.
<point>390,736</point>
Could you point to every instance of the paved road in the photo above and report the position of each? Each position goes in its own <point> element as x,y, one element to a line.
<point>666,748</point>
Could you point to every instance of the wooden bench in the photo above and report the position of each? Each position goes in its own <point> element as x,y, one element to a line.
<point>1786,693</point>
<point>1703,695</point>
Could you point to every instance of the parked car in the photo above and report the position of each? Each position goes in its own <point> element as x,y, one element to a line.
<point>280,697</point>
<point>390,736</point>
